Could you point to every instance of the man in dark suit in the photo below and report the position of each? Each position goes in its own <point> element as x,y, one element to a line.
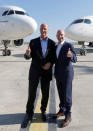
<point>42,51</point>
<point>65,55</point>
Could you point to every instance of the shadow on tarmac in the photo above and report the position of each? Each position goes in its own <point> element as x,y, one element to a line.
<point>14,61</point>
<point>15,55</point>
<point>37,118</point>
<point>9,119</point>
<point>85,69</point>
<point>18,55</point>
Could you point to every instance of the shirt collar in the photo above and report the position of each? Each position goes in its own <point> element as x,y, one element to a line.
<point>62,42</point>
<point>43,40</point>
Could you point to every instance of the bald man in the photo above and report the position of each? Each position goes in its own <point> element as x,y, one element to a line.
<point>42,51</point>
<point>65,55</point>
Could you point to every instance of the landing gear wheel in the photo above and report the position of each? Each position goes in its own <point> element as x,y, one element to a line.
<point>83,52</point>
<point>6,52</point>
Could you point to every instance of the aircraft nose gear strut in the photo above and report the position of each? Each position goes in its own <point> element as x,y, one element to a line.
<point>83,50</point>
<point>6,51</point>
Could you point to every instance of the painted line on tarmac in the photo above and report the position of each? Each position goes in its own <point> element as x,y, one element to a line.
<point>52,107</point>
<point>37,123</point>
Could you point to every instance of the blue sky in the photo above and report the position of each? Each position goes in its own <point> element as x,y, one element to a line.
<point>58,14</point>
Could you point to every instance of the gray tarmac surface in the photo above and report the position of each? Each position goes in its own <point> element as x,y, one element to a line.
<point>14,91</point>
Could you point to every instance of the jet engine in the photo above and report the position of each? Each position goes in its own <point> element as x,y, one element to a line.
<point>19,42</point>
<point>91,44</point>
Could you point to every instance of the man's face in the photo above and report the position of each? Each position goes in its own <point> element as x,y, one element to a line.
<point>60,35</point>
<point>44,31</point>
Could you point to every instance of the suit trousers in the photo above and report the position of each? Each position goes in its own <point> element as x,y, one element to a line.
<point>45,84</point>
<point>65,95</point>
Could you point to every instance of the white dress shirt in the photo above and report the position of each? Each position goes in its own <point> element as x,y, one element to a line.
<point>44,45</point>
<point>59,46</point>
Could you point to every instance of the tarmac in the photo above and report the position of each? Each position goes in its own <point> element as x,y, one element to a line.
<point>14,71</point>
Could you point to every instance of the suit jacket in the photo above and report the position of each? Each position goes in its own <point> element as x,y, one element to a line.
<point>38,60</point>
<point>63,65</point>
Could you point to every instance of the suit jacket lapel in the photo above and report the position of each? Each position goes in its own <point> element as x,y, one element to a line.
<point>55,52</point>
<point>60,50</point>
<point>47,48</point>
<point>39,51</point>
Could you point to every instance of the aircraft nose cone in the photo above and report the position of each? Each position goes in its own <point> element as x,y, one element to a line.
<point>32,25</point>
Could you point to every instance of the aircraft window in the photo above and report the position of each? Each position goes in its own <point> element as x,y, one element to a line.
<point>87,21</point>
<point>10,12</point>
<point>78,21</point>
<point>5,13</point>
<point>19,12</point>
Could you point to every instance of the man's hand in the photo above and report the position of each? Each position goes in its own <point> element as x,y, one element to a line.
<point>28,51</point>
<point>69,53</point>
<point>46,66</point>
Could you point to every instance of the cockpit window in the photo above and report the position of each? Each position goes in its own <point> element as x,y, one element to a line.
<point>5,13</point>
<point>19,12</point>
<point>77,21</point>
<point>10,12</point>
<point>87,21</point>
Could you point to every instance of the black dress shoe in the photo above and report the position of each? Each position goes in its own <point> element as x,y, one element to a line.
<point>43,115</point>
<point>25,121</point>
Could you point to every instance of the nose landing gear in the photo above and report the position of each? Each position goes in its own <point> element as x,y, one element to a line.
<point>83,51</point>
<point>6,51</point>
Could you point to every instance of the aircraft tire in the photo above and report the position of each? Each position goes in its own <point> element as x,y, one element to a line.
<point>8,52</point>
<point>4,53</point>
<point>83,52</point>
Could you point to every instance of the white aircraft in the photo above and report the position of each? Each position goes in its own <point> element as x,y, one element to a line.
<point>81,30</point>
<point>15,24</point>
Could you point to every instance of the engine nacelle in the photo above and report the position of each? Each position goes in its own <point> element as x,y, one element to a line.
<point>19,42</point>
<point>91,44</point>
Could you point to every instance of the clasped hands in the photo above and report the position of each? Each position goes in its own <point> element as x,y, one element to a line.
<point>46,66</point>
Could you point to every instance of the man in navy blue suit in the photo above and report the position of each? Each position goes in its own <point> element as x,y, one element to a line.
<point>64,73</point>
